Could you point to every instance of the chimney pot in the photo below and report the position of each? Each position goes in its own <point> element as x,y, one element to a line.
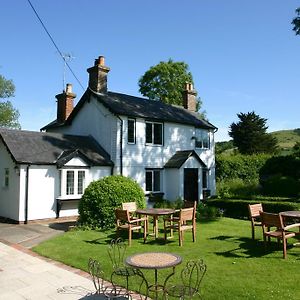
<point>101,60</point>
<point>69,88</point>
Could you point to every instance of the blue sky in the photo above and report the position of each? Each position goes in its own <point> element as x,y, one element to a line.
<point>243,55</point>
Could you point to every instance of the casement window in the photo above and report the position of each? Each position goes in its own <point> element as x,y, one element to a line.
<point>6,178</point>
<point>204,179</point>
<point>153,181</point>
<point>154,133</point>
<point>131,131</point>
<point>72,182</point>
<point>202,139</point>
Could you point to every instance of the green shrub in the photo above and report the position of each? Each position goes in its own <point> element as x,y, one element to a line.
<point>206,212</point>
<point>244,167</point>
<point>237,188</point>
<point>278,185</point>
<point>239,208</point>
<point>101,197</point>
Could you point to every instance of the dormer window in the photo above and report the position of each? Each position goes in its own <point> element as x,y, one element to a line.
<point>202,139</point>
<point>73,182</point>
<point>154,133</point>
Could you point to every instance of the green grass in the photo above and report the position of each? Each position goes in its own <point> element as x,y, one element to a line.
<point>238,268</point>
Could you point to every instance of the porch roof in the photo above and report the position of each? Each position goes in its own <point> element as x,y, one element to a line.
<point>179,158</point>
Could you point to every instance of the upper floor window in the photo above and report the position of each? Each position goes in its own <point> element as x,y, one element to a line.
<point>6,178</point>
<point>202,139</point>
<point>154,133</point>
<point>131,131</point>
<point>153,181</point>
<point>72,182</point>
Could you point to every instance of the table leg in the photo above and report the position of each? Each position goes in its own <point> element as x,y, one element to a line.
<point>155,226</point>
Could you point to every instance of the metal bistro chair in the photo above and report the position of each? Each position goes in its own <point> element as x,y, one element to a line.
<point>254,216</point>
<point>116,252</point>
<point>191,277</point>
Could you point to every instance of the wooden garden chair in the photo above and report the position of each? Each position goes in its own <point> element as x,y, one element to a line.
<point>281,232</point>
<point>185,221</point>
<point>126,222</point>
<point>254,216</point>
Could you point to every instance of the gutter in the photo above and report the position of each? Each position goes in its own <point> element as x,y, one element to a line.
<point>121,144</point>
<point>26,193</point>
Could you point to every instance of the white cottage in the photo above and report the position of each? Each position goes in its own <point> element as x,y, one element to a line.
<point>167,149</point>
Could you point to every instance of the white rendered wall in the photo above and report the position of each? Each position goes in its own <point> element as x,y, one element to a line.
<point>9,197</point>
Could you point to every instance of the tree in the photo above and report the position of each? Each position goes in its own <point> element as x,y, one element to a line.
<point>296,22</point>
<point>249,135</point>
<point>166,82</point>
<point>8,114</point>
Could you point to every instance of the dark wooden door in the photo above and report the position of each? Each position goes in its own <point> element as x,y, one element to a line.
<point>191,192</point>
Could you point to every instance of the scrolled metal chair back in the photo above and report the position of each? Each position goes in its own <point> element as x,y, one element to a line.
<point>96,273</point>
<point>116,252</point>
<point>192,275</point>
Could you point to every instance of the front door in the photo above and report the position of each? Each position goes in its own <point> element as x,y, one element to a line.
<point>191,192</point>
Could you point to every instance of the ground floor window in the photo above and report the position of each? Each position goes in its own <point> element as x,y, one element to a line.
<point>6,178</point>
<point>72,182</point>
<point>204,179</point>
<point>153,180</point>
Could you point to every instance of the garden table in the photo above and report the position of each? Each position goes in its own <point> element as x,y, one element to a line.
<point>155,261</point>
<point>155,213</point>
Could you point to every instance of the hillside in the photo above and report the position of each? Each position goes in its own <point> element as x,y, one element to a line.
<point>286,140</point>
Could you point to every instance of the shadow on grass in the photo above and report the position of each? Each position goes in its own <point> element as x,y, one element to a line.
<point>246,247</point>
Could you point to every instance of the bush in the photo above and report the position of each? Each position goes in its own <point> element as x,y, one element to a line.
<point>237,188</point>
<point>244,167</point>
<point>239,208</point>
<point>206,212</point>
<point>101,197</point>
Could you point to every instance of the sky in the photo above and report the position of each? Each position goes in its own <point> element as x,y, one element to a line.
<point>243,55</point>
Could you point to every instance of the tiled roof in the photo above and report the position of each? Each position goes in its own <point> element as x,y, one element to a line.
<point>126,105</point>
<point>33,147</point>
<point>179,158</point>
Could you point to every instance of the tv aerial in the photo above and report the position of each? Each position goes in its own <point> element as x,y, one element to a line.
<point>67,57</point>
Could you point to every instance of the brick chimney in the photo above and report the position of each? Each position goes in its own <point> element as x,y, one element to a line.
<point>65,104</point>
<point>98,76</point>
<point>189,97</point>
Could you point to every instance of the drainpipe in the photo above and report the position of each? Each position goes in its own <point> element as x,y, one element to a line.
<point>26,193</point>
<point>121,145</point>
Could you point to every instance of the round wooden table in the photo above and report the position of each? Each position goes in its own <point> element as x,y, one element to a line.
<point>155,261</point>
<point>291,214</point>
<point>155,213</point>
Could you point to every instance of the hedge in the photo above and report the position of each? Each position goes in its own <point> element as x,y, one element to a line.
<point>245,167</point>
<point>239,208</point>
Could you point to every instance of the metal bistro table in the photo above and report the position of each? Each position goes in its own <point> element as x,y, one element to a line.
<point>155,261</point>
<point>155,213</point>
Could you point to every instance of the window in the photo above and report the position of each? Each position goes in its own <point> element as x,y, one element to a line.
<point>202,139</point>
<point>72,182</point>
<point>6,178</point>
<point>80,182</point>
<point>154,133</point>
<point>131,131</point>
<point>153,180</point>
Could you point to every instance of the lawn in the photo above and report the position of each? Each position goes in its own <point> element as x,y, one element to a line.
<point>237,267</point>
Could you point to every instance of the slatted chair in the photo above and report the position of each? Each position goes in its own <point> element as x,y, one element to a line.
<point>116,252</point>
<point>132,207</point>
<point>191,278</point>
<point>185,221</point>
<point>281,232</point>
<point>254,216</point>
<point>125,222</point>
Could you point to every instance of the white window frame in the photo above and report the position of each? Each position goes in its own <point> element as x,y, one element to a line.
<point>153,183</point>
<point>153,139</point>
<point>63,183</point>
<point>201,136</point>
<point>134,131</point>
<point>205,184</point>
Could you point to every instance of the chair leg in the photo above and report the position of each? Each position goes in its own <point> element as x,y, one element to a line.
<point>194,234</point>
<point>253,231</point>
<point>129,236</point>
<point>145,231</point>
<point>180,237</point>
<point>284,247</point>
